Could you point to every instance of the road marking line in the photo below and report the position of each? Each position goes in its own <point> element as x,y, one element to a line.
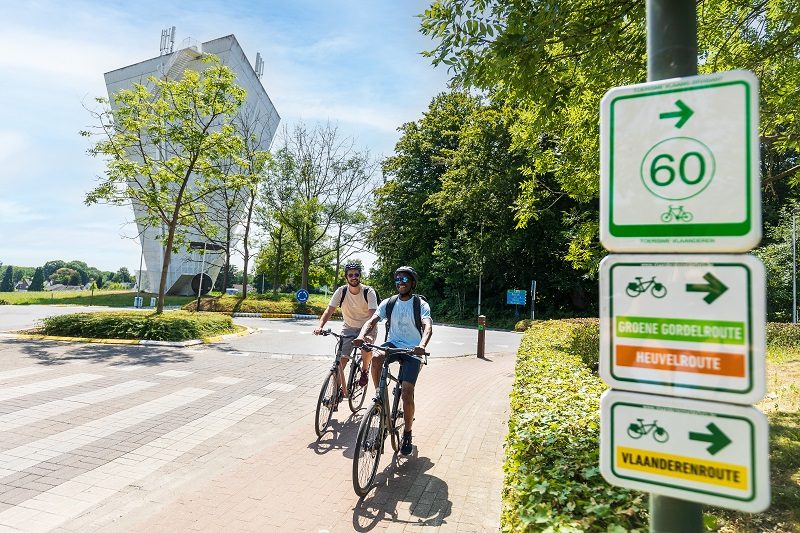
<point>25,456</point>
<point>20,372</point>
<point>174,373</point>
<point>52,409</point>
<point>48,510</point>
<point>42,386</point>
<point>282,387</point>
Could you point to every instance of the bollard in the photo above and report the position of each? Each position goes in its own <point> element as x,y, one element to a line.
<point>481,335</point>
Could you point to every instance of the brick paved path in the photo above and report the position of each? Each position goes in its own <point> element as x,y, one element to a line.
<point>116,438</point>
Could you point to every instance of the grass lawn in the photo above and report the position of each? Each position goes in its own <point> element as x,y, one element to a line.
<point>782,406</point>
<point>104,298</point>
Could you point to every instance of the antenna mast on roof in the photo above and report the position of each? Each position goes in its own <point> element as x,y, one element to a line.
<point>167,41</point>
<point>259,65</point>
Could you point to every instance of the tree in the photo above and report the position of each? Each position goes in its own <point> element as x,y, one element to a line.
<point>123,276</point>
<point>550,62</point>
<point>37,283</point>
<point>7,285</point>
<point>317,178</point>
<point>66,276</point>
<point>52,266</point>
<point>164,144</point>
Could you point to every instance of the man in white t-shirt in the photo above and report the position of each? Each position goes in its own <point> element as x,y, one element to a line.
<point>358,303</point>
<point>409,326</point>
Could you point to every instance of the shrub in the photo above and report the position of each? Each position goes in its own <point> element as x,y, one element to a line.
<point>171,326</point>
<point>552,473</point>
<point>783,335</point>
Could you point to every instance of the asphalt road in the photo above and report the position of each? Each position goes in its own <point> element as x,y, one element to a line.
<point>288,336</point>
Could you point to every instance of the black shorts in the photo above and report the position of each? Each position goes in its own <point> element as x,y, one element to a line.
<point>410,367</point>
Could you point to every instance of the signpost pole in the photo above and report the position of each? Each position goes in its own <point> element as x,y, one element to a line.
<point>794,267</point>
<point>533,296</point>
<point>672,52</point>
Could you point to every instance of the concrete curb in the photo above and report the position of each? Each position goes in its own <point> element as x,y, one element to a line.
<point>129,342</point>
<point>274,315</point>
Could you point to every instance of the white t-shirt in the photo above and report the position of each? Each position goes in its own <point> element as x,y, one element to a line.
<point>356,311</point>
<point>403,332</point>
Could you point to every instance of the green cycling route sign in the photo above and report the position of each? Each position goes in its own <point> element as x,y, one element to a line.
<point>707,452</point>
<point>679,165</point>
<point>690,325</point>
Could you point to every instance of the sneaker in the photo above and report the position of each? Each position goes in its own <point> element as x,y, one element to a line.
<point>405,448</point>
<point>364,379</point>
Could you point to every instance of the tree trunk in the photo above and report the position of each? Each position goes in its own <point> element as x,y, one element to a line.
<point>246,254</point>
<point>277,271</point>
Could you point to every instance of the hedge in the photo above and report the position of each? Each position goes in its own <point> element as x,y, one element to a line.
<point>170,326</point>
<point>552,474</point>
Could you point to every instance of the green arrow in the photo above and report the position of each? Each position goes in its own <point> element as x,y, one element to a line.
<point>716,438</point>
<point>683,113</point>
<point>714,287</point>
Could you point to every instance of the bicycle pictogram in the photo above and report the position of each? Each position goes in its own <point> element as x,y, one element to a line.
<point>635,288</point>
<point>676,214</point>
<point>640,429</point>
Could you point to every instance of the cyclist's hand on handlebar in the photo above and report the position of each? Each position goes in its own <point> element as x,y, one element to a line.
<point>419,350</point>
<point>358,341</point>
<point>318,331</point>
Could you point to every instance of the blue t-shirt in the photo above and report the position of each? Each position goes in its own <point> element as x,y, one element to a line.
<point>403,332</point>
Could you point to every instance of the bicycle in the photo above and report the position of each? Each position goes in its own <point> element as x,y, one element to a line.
<point>330,394</point>
<point>635,288</point>
<point>379,422</point>
<point>636,431</point>
<point>676,213</point>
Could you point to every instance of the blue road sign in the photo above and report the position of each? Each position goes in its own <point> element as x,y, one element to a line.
<point>516,297</point>
<point>302,296</point>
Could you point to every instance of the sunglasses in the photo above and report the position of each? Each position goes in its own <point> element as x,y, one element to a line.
<point>354,275</point>
<point>401,279</point>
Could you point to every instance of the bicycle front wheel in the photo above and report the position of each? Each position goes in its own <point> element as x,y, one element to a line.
<point>357,393</point>
<point>369,447</point>
<point>398,423</point>
<point>325,403</point>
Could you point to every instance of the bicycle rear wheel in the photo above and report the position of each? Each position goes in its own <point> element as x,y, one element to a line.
<point>368,450</point>
<point>357,393</point>
<point>325,403</point>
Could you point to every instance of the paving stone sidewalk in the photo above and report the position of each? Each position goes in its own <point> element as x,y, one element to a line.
<point>452,482</point>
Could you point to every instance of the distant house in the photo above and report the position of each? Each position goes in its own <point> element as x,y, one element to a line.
<point>22,285</point>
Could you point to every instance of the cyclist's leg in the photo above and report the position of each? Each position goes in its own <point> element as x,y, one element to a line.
<point>366,356</point>
<point>346,348</point>
<point>409,372</point>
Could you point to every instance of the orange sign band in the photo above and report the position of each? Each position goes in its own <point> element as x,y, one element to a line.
<point>677,360</point>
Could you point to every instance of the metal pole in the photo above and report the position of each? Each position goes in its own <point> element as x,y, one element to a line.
<point>200,285</point>
<point>794,267</point>
<point>480,273</point>
<point>671,53</point>
<point>139,281</point>
<point>533,296</point>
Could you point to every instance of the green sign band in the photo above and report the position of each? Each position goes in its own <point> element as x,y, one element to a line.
<point>681,329</point>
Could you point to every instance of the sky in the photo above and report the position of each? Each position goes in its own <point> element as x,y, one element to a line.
<point>356,64</point>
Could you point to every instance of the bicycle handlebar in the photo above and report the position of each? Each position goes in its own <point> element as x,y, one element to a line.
<point>326,332</point>
<point>400,351</point>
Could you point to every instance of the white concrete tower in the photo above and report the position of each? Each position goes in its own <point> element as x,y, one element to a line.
<point>172,64</point>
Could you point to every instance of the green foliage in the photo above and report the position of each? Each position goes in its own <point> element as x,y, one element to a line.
<point>123,276</point>
<point>168,145</point>
<point>552,474</point>
<point>783,335</point>
<point>66,276</point>
<point>37,283</point>
<point>547,64</point>
<point>7,284</point>
<point>172,326</point>
<point>284,303</point>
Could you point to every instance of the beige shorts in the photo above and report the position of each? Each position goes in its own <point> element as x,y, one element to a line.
<point>347,344</point>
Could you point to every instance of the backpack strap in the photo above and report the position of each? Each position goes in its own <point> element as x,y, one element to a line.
<point>418,312</point>
<point>344,293</point>
<point>366,292</point>
<point>389,307</point>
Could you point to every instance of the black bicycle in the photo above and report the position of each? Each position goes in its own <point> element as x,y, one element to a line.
<point>379,422</point>
<point>330,394</point>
